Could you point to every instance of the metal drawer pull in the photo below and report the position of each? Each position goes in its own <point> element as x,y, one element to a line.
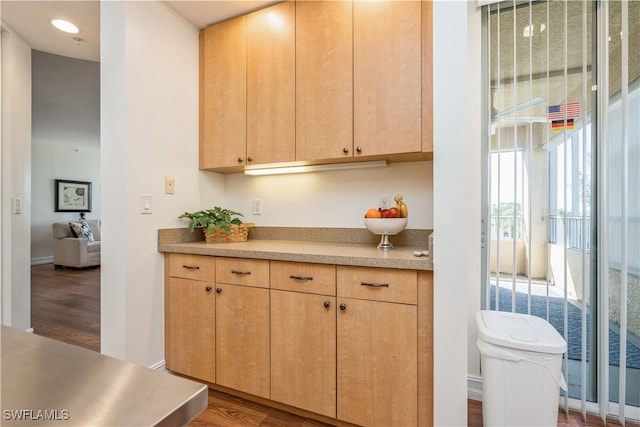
<point>191,267</point>
<point>375,285</point>
<point>244,273</point>
<point>300,277</point>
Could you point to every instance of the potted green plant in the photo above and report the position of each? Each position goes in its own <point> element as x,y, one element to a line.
<point>218,224</point>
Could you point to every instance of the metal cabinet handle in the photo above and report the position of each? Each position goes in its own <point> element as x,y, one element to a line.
<point>242,273</point>
<point>191,267</point>
<point>343,307</point>
<point>300,277</point>
<point>345,150</point>
<point>240,159</point>
<point>375,285</point>
<point>218,290</point>
<point>359,149</point>
<point>327,304</point>
<point>249,159</point>
<point>208,289</point>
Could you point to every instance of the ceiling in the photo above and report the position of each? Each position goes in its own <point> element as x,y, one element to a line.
<point>30,19</point>
<point>67,110</point>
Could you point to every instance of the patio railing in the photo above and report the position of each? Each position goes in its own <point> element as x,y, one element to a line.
<point>574,231</point>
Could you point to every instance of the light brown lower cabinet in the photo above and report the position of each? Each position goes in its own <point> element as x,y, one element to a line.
<point>303,351</point>
<point>242,339</point>
<point>242,325</point>
<point>377,363</point>
<point>377,346</point>
<point>190,335</point>
<point>350,344</point>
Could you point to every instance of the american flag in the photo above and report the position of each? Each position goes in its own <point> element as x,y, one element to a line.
<point>558,111</point>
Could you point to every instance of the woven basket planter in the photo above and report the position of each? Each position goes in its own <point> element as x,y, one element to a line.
<point>239,233</point>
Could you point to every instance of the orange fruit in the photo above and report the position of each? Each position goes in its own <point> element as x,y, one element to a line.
<point>373,213</point>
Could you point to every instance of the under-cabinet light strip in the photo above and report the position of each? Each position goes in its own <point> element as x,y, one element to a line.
<point>275,170</point>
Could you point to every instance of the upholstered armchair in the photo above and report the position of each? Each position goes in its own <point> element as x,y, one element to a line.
<point>72,251</point>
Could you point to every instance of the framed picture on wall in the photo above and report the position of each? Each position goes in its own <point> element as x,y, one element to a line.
<point>73,196</point>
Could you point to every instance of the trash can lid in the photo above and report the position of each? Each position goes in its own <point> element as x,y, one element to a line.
<point>520,331</point>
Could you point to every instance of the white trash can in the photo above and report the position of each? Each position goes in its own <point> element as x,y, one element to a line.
<point>521,369</point>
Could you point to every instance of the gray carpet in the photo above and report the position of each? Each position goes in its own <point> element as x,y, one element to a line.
<point>574,316</point>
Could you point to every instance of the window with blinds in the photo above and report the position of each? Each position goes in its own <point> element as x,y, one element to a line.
<point>562,185</point>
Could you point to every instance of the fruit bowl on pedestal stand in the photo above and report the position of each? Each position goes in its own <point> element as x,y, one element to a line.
<point>385,227</point>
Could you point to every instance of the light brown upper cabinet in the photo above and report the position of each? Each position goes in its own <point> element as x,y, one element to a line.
<point>223,95</point>
<point>324,80</point>
<point>387,77</point>
<point>427,77</point>
<point>271,84</point>
<point>317,82</point>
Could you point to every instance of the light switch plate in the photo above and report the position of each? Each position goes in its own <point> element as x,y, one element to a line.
<point>145,204</point>
<point>17,206</point>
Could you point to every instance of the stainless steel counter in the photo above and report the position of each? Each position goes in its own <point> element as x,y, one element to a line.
<point>50,383</point>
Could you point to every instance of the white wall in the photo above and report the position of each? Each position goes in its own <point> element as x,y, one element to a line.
<point>16,179</point>
<point>456,171</point>
<point>51,161</point>
<point>333,198</point>
<point>149,130</point>
<point>473,200</point>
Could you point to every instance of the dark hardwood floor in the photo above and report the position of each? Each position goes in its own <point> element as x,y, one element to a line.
<point>225,410</point>
<point>65,306</point>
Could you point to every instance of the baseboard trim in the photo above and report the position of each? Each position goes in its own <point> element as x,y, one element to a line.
<point>474,387</point>
<point>160,366</point>
<point>42,260</point>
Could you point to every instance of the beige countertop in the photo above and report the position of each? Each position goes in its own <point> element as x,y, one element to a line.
<point>357,254</point>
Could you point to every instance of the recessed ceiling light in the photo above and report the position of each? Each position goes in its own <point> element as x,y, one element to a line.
<point>64,25</point>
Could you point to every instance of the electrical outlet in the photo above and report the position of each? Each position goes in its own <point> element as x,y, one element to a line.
<point>169,185</point>
<point>257,207</point>
<point>384,202</point>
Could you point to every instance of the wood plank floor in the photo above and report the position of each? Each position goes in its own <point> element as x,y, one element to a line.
<point>574,419</point>
<point>225,410</point>
<point>65,306</point>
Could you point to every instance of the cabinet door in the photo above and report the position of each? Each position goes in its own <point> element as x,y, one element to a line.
<point>377,363</point>
<point>271,84</point>
<point>242,333</point>
<point>303,351</point>
<point>223,95</point>
<point>324,80</point>
<point>190,328</point>
<point>387,77</point>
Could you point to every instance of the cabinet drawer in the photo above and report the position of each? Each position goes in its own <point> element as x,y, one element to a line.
<point>303,277</point>
<point>241,271</point>
<point>195,267</point>
<point>378,284</point>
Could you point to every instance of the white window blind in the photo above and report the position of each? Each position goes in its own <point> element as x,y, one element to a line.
<point>563,185</point>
